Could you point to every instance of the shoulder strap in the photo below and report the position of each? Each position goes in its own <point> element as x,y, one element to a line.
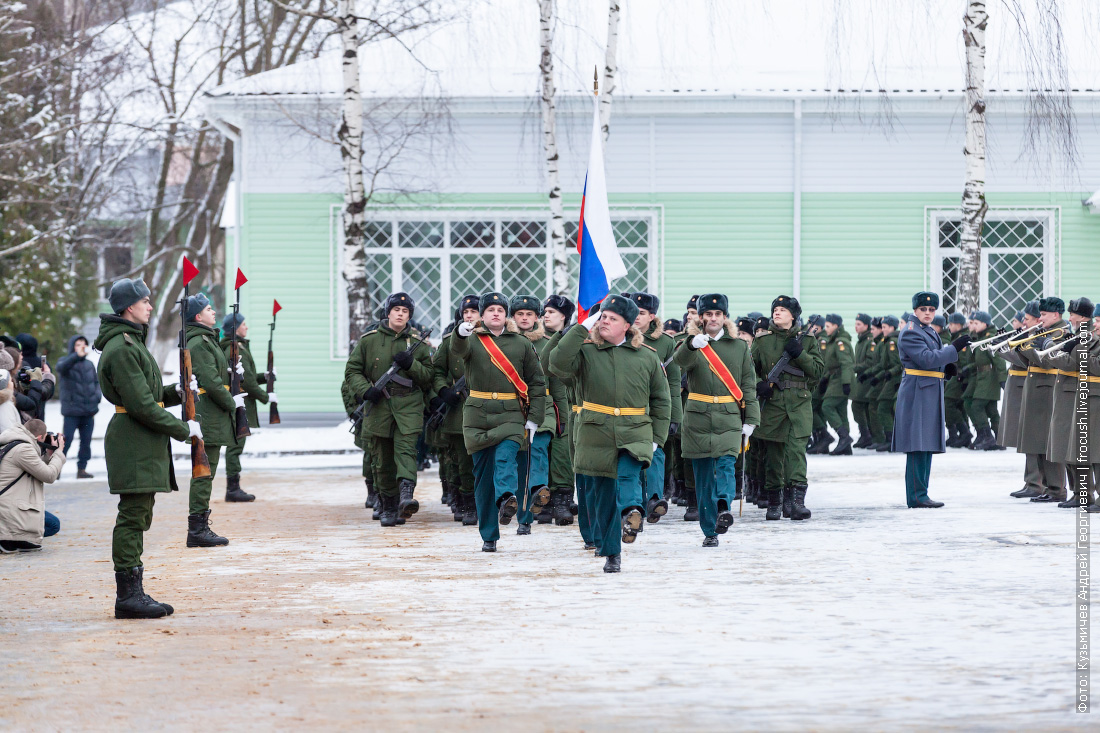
<point>4,450</point>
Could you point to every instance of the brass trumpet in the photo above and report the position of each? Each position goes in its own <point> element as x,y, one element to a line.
<point>1052,333</point>
<point>995,342</point>
<point>1057,345</point>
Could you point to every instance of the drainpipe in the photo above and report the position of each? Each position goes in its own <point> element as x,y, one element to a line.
<point>238,177</point>
<point>797,186</point>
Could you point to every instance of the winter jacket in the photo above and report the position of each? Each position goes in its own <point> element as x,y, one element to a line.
<point>30,399</point>
<point>9,416</point>
<point>250,383</point>
<point>215,408</point>
<point>80,394</point>
<point>403,411</point>
<point>23,506</point>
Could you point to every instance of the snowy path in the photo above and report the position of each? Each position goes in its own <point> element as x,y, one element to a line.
<point>868,615</point>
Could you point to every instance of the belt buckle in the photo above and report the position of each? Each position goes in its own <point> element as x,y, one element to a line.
<point>494,395</point>
<point>615,412</point>
<point>715,398</point>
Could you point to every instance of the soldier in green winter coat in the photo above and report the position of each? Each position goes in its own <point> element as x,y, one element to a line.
<point>648,324</point>
<point>716,416</point>
<point>786,419</point>
<point>397,413</point>
<point>447,371</point>
<point>253,393</point>
<point>499,418</point>
<point>214,410</point>
<point>987,376</point>
<point>820,437</point>
<point>836,384</point>
<point>682,470</point>
<point>139,456</point>
<point>625,411</point>
<point>557,311</point>
<point>885,380</point>
<point>875,350</point>
<point>958,429</point>
<point>861,365</point>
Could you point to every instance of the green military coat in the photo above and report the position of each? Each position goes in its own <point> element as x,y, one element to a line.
<point>139,457</point>
<point>839,362</point>
<point>664,345</point>
<point>712,430</point>
<point>888,368</point>
<point>538,338</point>
<point>215,407</point>
<point>863,363</point>
<point>447,369</point>
<point>403,412</point>
<point>953,388</point>
<point>250,383</point>
<point>487,422</point>
<point>987,372</point>
<point>787,414</point>
<point>629,376</point>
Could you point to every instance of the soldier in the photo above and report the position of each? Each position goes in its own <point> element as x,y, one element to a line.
<point>648,324</point>
<point>1033,476</point>
<point>1066,442</point>
<point>721,407</point>
<point>862,365</point>
<point>447,371</point>
<point>836,385</point>
<point>785,415</point>
<point>958,428</point>
<point>526,311</point>
<point>557,311</point>
<point>1009,424</point>
<point>671,327</point>
<point>214,410</point>
<point>625,412</point>
<point>139,457</point>
<point>887,378</point>
<point>878,437</point>
<point>939,323</point>
<point>920,410</point>
<point>683,476</point>
<point>506,405</point>
<point>983,388</point>
<point>820,438</point>
<point>396,418</point>
<point>253,392</point>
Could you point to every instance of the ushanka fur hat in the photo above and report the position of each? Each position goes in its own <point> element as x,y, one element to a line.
<point>125,293</point>
<point>561,304</point>
<point>488,299</point>
<point>621,306</point>
<point>397,299</point>
<point>713,302</point>
<point>648,301</point>
<point>525,303</point>
<point>788,302</point>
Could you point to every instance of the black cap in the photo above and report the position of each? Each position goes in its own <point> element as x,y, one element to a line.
<point>746,324</point>
<point>672,324</point>
<point>561,304</point>
<point>648,301</point>
<point>788,302</point>
<point>1082,307</point>
<point>468,301</point>
<point>713,302</point>
<point>488,299</point>
<point>397,299</point>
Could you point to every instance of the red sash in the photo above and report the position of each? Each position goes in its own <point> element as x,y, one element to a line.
<point>719,368</point>
<point>500,361</point>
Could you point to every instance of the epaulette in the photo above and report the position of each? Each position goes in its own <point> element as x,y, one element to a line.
<point>650,348</point>
<point>206,338</point>
<point>127,339</point>
<point>368,333</point>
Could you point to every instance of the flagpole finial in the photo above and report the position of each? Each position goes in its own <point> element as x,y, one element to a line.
<point>595,81</point>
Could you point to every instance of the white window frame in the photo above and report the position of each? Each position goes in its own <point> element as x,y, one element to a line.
<point>338,324</point>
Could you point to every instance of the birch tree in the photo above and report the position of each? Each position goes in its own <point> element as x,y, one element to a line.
<point>610,67</point>
<point>973,199</point>
<point>547,13</point>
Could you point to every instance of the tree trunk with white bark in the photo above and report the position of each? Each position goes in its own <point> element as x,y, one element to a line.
<point>973,200</point>
<point>550,146</point>
<point>350,137</point>
<point>610,67</point>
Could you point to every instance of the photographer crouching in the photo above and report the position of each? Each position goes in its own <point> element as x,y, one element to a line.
<point>29,458</point>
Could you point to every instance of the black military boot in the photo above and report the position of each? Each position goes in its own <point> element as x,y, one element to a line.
<point>655,509</point>
<point>523,528</point>
<point>681,493</point>
<point>632,523</point>
<point>233,490</point>
<point>407,506</point>
<point>507,508</point>
<point>546,514</point>
<point>964,435</point>
<point>130,598</point>
<point>952,436</point>
<point>388,514</point>
<point>489,546</point>
<point>613,564</point>
<point>885,446</point>
<point>739,485</point>
<point>986,440</point>
<point>725,518</point>
<point>199,533</point>
<point>823,443</point>
<point>469,510</point>
<point>710,542</point>
<point>788,502</point>
<point>815,440</point>
<point>761,495</point>
<point>691,514</point>
<point>798,509</point>
<point>560,507</point>
<point>843,444</point>
<point>1070,503</point>
<point>446,497</point>
<point>1020,494</point>
<point>458,503</point>
<point>775,510</point>
<point>864,437</point>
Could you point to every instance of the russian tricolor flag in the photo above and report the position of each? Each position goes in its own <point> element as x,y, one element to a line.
<point>600,260</point>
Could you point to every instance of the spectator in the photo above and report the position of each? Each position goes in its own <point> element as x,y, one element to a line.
<point>9,416</point>
<point>33,387</point>
<point>28,345</point>
<point>80,398</point>
<point>24,469</point>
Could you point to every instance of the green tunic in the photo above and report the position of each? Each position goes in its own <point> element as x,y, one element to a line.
<point>447,369</point>
<point>888,368</point>
<point>862,364</point>
<point>986,372</point>
<point>787,414</point>
<point>214,408</point>
<point>370,359</point>
<point>250,383</point>
<point>838,360</point>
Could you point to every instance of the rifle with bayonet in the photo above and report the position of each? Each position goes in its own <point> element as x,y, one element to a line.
<point>269,376</point>
<point>241,413</point>
<point>200,463</point>
<point>362,412</point>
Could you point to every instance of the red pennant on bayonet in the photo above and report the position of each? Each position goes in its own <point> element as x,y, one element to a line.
<point>241,279</point>
<point>189,271</point>
<point>276,308</point>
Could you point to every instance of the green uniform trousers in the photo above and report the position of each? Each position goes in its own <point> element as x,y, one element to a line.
<point>233,453</point>
<point>460,466</point>
<point>862,415</point>
<point>199,498</point>
<point>983,413</point>
<point>835,410</point>
<point>135,516</point>
<point>784,463</point>
<point>393,458</point>
<point>884,409</point>
<point>874,424</point>
<point>561,463</point>
<point>954,411</point>
<point>816,404</point>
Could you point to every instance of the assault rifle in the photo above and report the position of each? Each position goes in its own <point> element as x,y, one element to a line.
<point>440,413</point>
<point>783,366</point>
<point>363,410</point>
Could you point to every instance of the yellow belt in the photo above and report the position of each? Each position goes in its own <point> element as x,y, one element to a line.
<point>577,409</point>
<point>202,390</point>
<point>1077,375</point>
<point>923,373</point>
<point>604,409</point>
<point>1037,370</point>
<point>120,410</point>
<point>1017,372</point>
<point>712,399</point>
<point>493,395</point>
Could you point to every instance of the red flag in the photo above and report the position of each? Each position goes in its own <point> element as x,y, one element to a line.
<point>276,309</point>
<point>189,271</point>
<point>241,279</point>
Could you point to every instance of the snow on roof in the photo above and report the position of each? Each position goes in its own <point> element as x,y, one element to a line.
<point>697,47</point>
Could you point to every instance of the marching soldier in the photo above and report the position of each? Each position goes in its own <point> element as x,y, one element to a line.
<point>1066,443</point>
<point>862,367</point>
<point>1033,477</point>
<point>447,371</point>
<point>625,412</point>
<point>878,437</point>
<point>671,327</point>
<point>505,406</point>
<point>139,457</point>
<point>820,438</point>
<point>983,388</point>
<point>214,410</point>
<point>920,414</point>
<point>836,385</point>
<point>755,467</point>
<point>1009,424</point>
<point>557,311</point>
<point>253,393</point>
<point>887,379</point>
<point>649,324</point>
<point>786,419</point>
<point>397,416</point>
<point>684,477</point>
<point>721,407</point>
<point>953,389</point>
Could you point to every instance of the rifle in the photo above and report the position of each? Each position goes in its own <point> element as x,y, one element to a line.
<point>200,463</point>
<point>783,365</point>
<point>273,415</point>
<point>241,413</point>
<point>438,415</point>
<point>362,412</point>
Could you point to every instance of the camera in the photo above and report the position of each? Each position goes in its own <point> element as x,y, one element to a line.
<point>48,442</point>
<point>24,375</point>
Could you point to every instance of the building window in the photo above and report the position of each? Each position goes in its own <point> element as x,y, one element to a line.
<point>1019,259</point>
<point>438,257</point>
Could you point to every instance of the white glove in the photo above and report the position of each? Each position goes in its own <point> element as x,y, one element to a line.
<point>746,430</point>
<point>655,449</point>
<point>591,320</point>
<point>239,368</point>
<point>194,386</point>
<point>194,430</point>
<point>530,427</point>
<point>273,398</point>
<point>464,329</point>
<point>274,373</point>
<point>699,341</point>
<point>238,400</point>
